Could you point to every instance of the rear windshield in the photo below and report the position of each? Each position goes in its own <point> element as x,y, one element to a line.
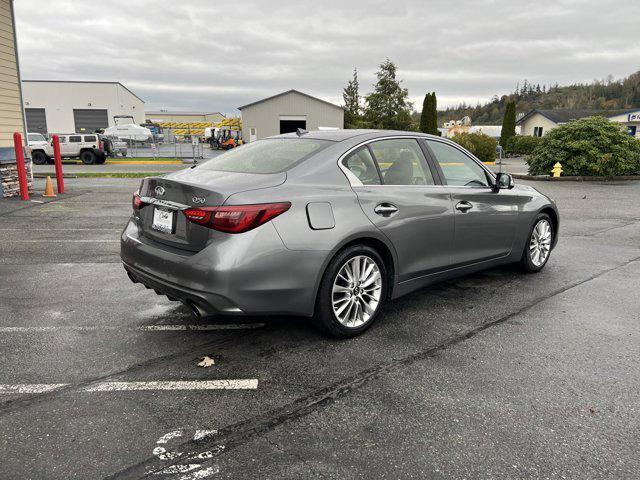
<point>266,156</point>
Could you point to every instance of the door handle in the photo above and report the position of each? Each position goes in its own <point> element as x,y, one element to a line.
<point>385,209</point>
<point>463,206</point>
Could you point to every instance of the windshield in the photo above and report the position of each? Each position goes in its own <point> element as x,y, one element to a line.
<point>266,156</point>
<point>36,137</point>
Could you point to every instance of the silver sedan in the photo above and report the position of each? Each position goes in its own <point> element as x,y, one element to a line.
<point>330,225</point>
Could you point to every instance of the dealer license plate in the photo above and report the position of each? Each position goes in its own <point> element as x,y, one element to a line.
<point>162,220</point>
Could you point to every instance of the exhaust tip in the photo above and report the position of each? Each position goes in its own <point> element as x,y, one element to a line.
<point>196,309</point>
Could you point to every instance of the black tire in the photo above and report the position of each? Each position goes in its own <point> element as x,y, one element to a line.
<point>39,158</point>
<point>324,316</point>
<point>88,157</point>
<point>101,159</point>
<point>526,262</point>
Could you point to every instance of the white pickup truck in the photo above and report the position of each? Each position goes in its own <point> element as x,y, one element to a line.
<point>86,147</point>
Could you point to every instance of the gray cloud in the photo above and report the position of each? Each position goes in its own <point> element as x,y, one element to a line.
<point>204,55</point>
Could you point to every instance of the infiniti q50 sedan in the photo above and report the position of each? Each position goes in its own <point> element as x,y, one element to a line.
<point>330,225</point>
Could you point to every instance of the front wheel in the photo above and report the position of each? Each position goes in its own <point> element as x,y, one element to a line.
<point>39,158</point>
<point>538,247</point>
<point>352,292</point>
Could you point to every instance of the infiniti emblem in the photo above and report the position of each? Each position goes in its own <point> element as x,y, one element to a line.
<point>159,191</point>
<point>199,199</point>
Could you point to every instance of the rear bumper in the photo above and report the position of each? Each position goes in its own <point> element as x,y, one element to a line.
<point>247,274</point>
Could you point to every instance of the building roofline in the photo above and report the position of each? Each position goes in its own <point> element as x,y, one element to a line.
<point>602,113</point>
<point>293,90</point>
<point>107,82</point>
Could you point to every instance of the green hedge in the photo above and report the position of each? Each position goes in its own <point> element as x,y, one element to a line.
<point>591,146</point>
<point>522,145</point>
<point>481,145</point>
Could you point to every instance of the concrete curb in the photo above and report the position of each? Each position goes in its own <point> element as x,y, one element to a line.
<point>548,178</point>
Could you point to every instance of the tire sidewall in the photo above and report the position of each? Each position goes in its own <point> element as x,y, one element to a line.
<point>526,256</point>
<point>88,157</point>
<point>41,156</point>
<point>324,309</point>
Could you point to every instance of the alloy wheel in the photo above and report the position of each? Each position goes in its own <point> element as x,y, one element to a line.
<point>356,291</point>
<point>540,243</point>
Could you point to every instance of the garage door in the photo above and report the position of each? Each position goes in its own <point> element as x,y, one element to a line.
<point>36,120</point>
<point>89,120</point>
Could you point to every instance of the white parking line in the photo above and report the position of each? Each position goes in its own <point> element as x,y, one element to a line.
<point>142,328</point>
<point>243,384</point>
<point>250,384</point>
<point>31,387</point>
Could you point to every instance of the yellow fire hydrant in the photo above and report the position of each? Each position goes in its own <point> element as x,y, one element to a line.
<point>556,170</point>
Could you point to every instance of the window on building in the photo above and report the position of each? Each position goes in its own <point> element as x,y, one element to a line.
<point>537,131</point>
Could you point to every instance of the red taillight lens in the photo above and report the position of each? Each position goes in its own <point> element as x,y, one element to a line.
<point>137,203</point>
<point>99,144</point>
<point>235,218</point>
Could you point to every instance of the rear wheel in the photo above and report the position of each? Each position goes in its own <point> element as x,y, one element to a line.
<point>39,158</point>
<point>352,292</point>
<point>88,157</point>
<point>538,247</point>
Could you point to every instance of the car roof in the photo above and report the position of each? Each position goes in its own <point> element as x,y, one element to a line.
<point>346,134</point>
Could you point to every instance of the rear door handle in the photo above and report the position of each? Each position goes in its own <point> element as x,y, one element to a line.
<point>385,209</point>
<point>463,206</point>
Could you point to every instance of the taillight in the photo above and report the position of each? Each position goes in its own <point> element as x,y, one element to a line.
<point>99,144</point>
<point>137,202</point>
<point>235,218</point>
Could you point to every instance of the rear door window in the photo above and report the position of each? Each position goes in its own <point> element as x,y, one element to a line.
<point>401,162</point>
<point>90,138</point>
<point>363,166</point>
<point>271,155</point>
<point>75,139</point>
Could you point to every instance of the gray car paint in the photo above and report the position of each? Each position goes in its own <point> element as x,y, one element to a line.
<point>277,267</point>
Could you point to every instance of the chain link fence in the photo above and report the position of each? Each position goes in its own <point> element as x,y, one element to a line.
<point>169,146</point>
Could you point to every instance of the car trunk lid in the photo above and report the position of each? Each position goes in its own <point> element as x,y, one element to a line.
<point>162,219</point>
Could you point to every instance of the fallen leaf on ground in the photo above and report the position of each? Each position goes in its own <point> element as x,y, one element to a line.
<point>206,362</point>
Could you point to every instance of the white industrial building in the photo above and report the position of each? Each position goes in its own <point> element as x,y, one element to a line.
<point>78,106</point>
<point>286,112</point>
<point>538,122</point>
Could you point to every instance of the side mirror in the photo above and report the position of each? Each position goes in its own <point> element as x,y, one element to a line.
<point>504,180</point>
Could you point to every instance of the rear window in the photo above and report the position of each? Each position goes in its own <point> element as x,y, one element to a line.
<point>266,156</point>
<point>89,138</point>
<point>75,139</point>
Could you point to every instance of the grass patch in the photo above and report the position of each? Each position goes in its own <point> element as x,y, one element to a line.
<point>117,174</point>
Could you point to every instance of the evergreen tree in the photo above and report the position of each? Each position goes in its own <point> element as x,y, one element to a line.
<point>432,127</point>
<point>508,124</point>
<point>351,98</point>
<point>388,107</point>
<point>426,112</point>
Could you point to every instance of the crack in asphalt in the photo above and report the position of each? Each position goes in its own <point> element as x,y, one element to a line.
<point>240,433</point>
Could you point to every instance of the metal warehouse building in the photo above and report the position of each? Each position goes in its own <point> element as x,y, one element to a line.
<point>11,118</point>
<point>286,112</point>
<point>68,106</point>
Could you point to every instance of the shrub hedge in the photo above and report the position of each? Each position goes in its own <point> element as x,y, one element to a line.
<point>591,146</point>
<point>522,145</point>
<point>481,145</point>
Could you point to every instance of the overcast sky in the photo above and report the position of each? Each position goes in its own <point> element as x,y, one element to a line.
<point>216,56</point>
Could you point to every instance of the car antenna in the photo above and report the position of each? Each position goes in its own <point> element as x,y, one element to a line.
<point>301,131</point>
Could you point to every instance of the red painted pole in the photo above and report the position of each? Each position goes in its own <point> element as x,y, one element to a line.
<point>58,161</point>
<point>22,171</point>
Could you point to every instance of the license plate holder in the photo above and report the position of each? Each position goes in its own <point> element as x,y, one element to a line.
<point>163,220</point>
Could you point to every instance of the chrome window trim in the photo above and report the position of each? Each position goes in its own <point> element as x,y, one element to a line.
<point>355,181</point>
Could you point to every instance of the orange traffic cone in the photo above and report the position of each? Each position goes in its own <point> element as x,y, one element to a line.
<point>48,188</point>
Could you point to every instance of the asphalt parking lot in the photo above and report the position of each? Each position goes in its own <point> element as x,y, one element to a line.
<point>494,375</point>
